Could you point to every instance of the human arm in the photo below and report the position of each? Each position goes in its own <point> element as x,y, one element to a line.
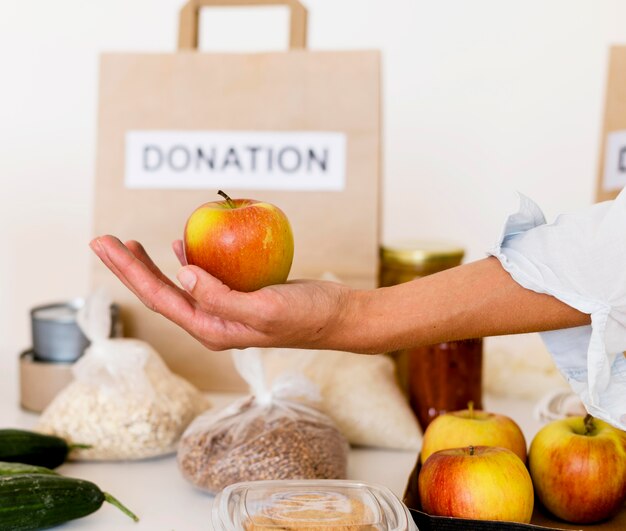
<point>474,300</point>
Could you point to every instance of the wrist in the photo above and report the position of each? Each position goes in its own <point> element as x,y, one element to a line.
<point>357,326</point>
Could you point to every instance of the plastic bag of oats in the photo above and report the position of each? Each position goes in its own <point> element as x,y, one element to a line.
<point>124,401</point>
<point>271,434</point>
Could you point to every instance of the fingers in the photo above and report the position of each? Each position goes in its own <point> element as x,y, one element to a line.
<point>157,294</point>
<point>138,250</point>
<point>179,251</point>
<point>98,247</point>
<point>215,298</point>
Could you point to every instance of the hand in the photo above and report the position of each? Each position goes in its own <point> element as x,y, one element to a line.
<point>478,299</point>
<point>305,314</point>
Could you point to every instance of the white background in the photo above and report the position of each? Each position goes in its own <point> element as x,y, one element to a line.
<point>482,98</point>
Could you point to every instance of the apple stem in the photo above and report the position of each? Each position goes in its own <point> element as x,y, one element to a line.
<point>589,424</point>
<point>471,450</point>
<point>229,201</point>
<point>470,407</point>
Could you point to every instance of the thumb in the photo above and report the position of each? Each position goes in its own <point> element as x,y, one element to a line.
<point>187,278</point>
<point>215,297</point>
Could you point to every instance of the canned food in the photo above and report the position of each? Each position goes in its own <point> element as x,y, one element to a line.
<point>56,334</point>
<point>41,381</point>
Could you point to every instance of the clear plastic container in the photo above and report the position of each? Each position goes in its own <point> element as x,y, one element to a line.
<point>312,505</point>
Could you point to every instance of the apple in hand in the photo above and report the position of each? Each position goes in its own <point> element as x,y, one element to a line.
<point>480,483</point>
<point>246,244</point>
<point>466,427</point>
<point>578,467</point>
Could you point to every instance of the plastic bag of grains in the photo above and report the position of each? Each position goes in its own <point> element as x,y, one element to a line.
<point>273,434</point>
<point>124,402</point>
<point>360,393</point>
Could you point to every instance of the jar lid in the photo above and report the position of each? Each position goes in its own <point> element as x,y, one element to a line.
<point>421,252</point>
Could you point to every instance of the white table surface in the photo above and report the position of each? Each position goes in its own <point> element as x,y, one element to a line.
<point>164,501</point>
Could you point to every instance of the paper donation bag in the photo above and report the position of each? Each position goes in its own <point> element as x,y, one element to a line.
<point>298,128</point>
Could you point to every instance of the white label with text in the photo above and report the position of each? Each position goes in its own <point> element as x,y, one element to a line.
<point>261,160</point>
<point>615,162</point>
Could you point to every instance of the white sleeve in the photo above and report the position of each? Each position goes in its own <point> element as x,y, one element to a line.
<point>581,260</point>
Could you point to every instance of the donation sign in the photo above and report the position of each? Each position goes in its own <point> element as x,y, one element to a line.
<point>261,160</point>
<point>615,161</point>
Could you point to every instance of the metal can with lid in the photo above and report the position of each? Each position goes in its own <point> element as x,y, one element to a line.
<point>56,334</point>
<point>441,377</point>
<point>313,505</point>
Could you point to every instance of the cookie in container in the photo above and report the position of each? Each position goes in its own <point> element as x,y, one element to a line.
<point>311,505</point>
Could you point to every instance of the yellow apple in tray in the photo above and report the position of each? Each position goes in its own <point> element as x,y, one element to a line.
<point>578,467</point>
<point>479,483</point>
<point>247,244</point>
<point>473,427</point>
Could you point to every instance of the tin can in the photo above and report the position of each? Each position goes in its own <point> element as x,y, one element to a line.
<point>56,334</point>
<point>441,377</point>
<point>41,381</point>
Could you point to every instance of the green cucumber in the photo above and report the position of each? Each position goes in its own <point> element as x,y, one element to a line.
<point>29,502</point>
<point>12,469</point>
<point>32,448</point>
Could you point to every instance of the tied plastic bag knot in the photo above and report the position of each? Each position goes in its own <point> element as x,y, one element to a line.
<point>94,318</point>
<point>359,393</point>
<point>116,364</point>
<point>287,386</point>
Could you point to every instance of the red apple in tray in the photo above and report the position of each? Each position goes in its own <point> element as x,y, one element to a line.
<point>478,483</point>
<point>578,467</point>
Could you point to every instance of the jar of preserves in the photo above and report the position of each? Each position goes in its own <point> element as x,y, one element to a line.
<point>441,377</point>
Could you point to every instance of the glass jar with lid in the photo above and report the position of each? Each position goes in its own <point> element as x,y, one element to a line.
<point>441,377</point>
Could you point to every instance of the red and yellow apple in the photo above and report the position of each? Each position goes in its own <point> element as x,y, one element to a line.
<point>479,483</point>
<point>467,427</point>
<point>578,467</point>
<point>247,244</point>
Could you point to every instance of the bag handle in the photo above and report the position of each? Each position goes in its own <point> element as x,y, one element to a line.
<point>190,16</point>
